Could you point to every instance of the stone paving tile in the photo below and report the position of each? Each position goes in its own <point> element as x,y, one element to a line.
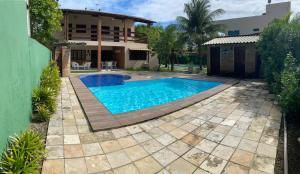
<point>191,139</point>
<point>91,149</point>
<point>53,167</point>
<point>152,146</point>
<point>97,163</point>
<point>195,156</point>
<point>213,164</point>
<point>148,165</point>
<point>179,147</point>
<point>240,125</point>
<point>223,152</point>
<point>76,166</point>
<point>242,157</point>
<point>165,156</point>
<point>135,152</point>
<point>248,145</point>
<point>206,146</point>
<point>128,169</point>
<point>73,151</point>
<point>181,166</point>
<point>117,159</point>
<point>232,168</point>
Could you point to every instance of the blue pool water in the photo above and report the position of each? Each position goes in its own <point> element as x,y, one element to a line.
<point>119,96</point>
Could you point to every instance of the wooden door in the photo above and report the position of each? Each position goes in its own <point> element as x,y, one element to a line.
<point>239,61</point>
<point>215,60</point>
<point>94,58</point>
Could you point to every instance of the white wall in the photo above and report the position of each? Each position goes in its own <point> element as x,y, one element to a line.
<point>246,24</point>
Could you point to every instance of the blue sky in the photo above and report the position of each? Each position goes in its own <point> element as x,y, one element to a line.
<point>165,11</point>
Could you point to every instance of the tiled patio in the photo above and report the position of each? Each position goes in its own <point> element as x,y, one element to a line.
<point>235,131</point>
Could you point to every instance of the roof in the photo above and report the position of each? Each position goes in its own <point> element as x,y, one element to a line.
<point>114,15</point>
<point>233,40</point>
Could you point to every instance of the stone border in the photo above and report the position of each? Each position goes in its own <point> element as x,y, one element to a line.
<point>101,119</point>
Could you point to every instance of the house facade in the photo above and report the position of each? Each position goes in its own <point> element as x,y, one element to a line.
<point>99,37</point>
<point>255,24</point>
<point>235,54</point>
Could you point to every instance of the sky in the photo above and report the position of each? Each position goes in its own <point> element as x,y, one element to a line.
<point>166,11</point>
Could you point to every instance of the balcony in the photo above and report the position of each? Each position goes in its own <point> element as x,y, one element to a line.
<point>115,35</point>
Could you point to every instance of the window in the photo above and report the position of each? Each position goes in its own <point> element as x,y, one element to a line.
<point>234,33</point>
<point>78,54</point>
<point>105,30</point>
<point>93,28</point>
<point>94,33</point>
<point>80,28</point>
<point>256,29</point>
<point>137,55</point>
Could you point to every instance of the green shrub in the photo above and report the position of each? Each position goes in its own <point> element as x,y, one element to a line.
<point>23,154</point>
<point>44,97</point>
<point>43,113</point>
<point>50,77</point>
<point>290,81</point>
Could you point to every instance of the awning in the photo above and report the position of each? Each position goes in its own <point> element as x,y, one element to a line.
<point>233,40</point>
<point>139,49</point>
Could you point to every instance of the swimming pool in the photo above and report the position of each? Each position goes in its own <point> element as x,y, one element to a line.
<point>119,96</point>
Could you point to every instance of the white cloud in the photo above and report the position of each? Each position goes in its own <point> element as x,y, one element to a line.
<point>167,10</point>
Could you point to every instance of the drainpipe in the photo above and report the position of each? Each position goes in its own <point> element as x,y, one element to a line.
<point>285,155</point>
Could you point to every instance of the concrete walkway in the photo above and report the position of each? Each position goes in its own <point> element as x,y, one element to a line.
<point>235,131</point>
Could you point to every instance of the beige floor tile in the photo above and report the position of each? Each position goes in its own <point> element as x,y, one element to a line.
<point>71,139</point>
<point>152,146</point>
<point>117,159</point>
<point>206,146</point>
<point>195,156</point>
<point>266,150</point>
<point>134,129</point>
<point>200,171</point>
<point>73,151</point>
<point>191,139</point>
<point>178,133</point>
<point>188,127</point>
<point>166,139</point>
<point>141,137</point>
<point>55,152</point>
<point>135,152</point>
<point>55,140</point>
<point>242,157</point>
<point>110,146</point>
<point>231,141</point>
<point>164,156</point>
<point>127,141</point>
<point>232,168</point>
<point>128,169</point>
<point>215,136</point>
<point>121,132</point>
<point>148,165</point>
<point>156,132</point>
<point>223,152</point>
<point>213,164</point>
<point>97,163</point>
<point>91,149</point>
<point>167,127</point>
<point>53,167</point>
<point>262,163</point>
<point>88,138</point>
<point>252,135</point>
<point>248,145</point>
<point>181,166</point>
<point>222,129</point>
<point>75,166</point>
<point>179,147</point>
<point>70,130</point>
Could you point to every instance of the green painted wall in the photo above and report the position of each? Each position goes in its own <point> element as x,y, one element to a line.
<point>21,62</point>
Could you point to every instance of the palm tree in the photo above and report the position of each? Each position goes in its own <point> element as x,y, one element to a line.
<point>169,45</point>
<point>198,26</point>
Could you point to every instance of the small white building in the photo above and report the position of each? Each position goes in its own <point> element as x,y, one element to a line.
<point>255,24</point>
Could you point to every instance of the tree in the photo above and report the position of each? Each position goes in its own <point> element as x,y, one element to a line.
<point>290,88</point>
<point>45,19</point>
<point>198,26</point>
<point>277,40</point>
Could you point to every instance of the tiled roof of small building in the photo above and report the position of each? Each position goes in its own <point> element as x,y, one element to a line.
<point>233,40</point>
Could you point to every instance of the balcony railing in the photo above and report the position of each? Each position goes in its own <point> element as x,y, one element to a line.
<point>91,34</point>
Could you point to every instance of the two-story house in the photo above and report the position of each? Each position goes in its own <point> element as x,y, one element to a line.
<point>100,37</point>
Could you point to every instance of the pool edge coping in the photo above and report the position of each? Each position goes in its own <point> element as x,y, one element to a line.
<point>99,118</point>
